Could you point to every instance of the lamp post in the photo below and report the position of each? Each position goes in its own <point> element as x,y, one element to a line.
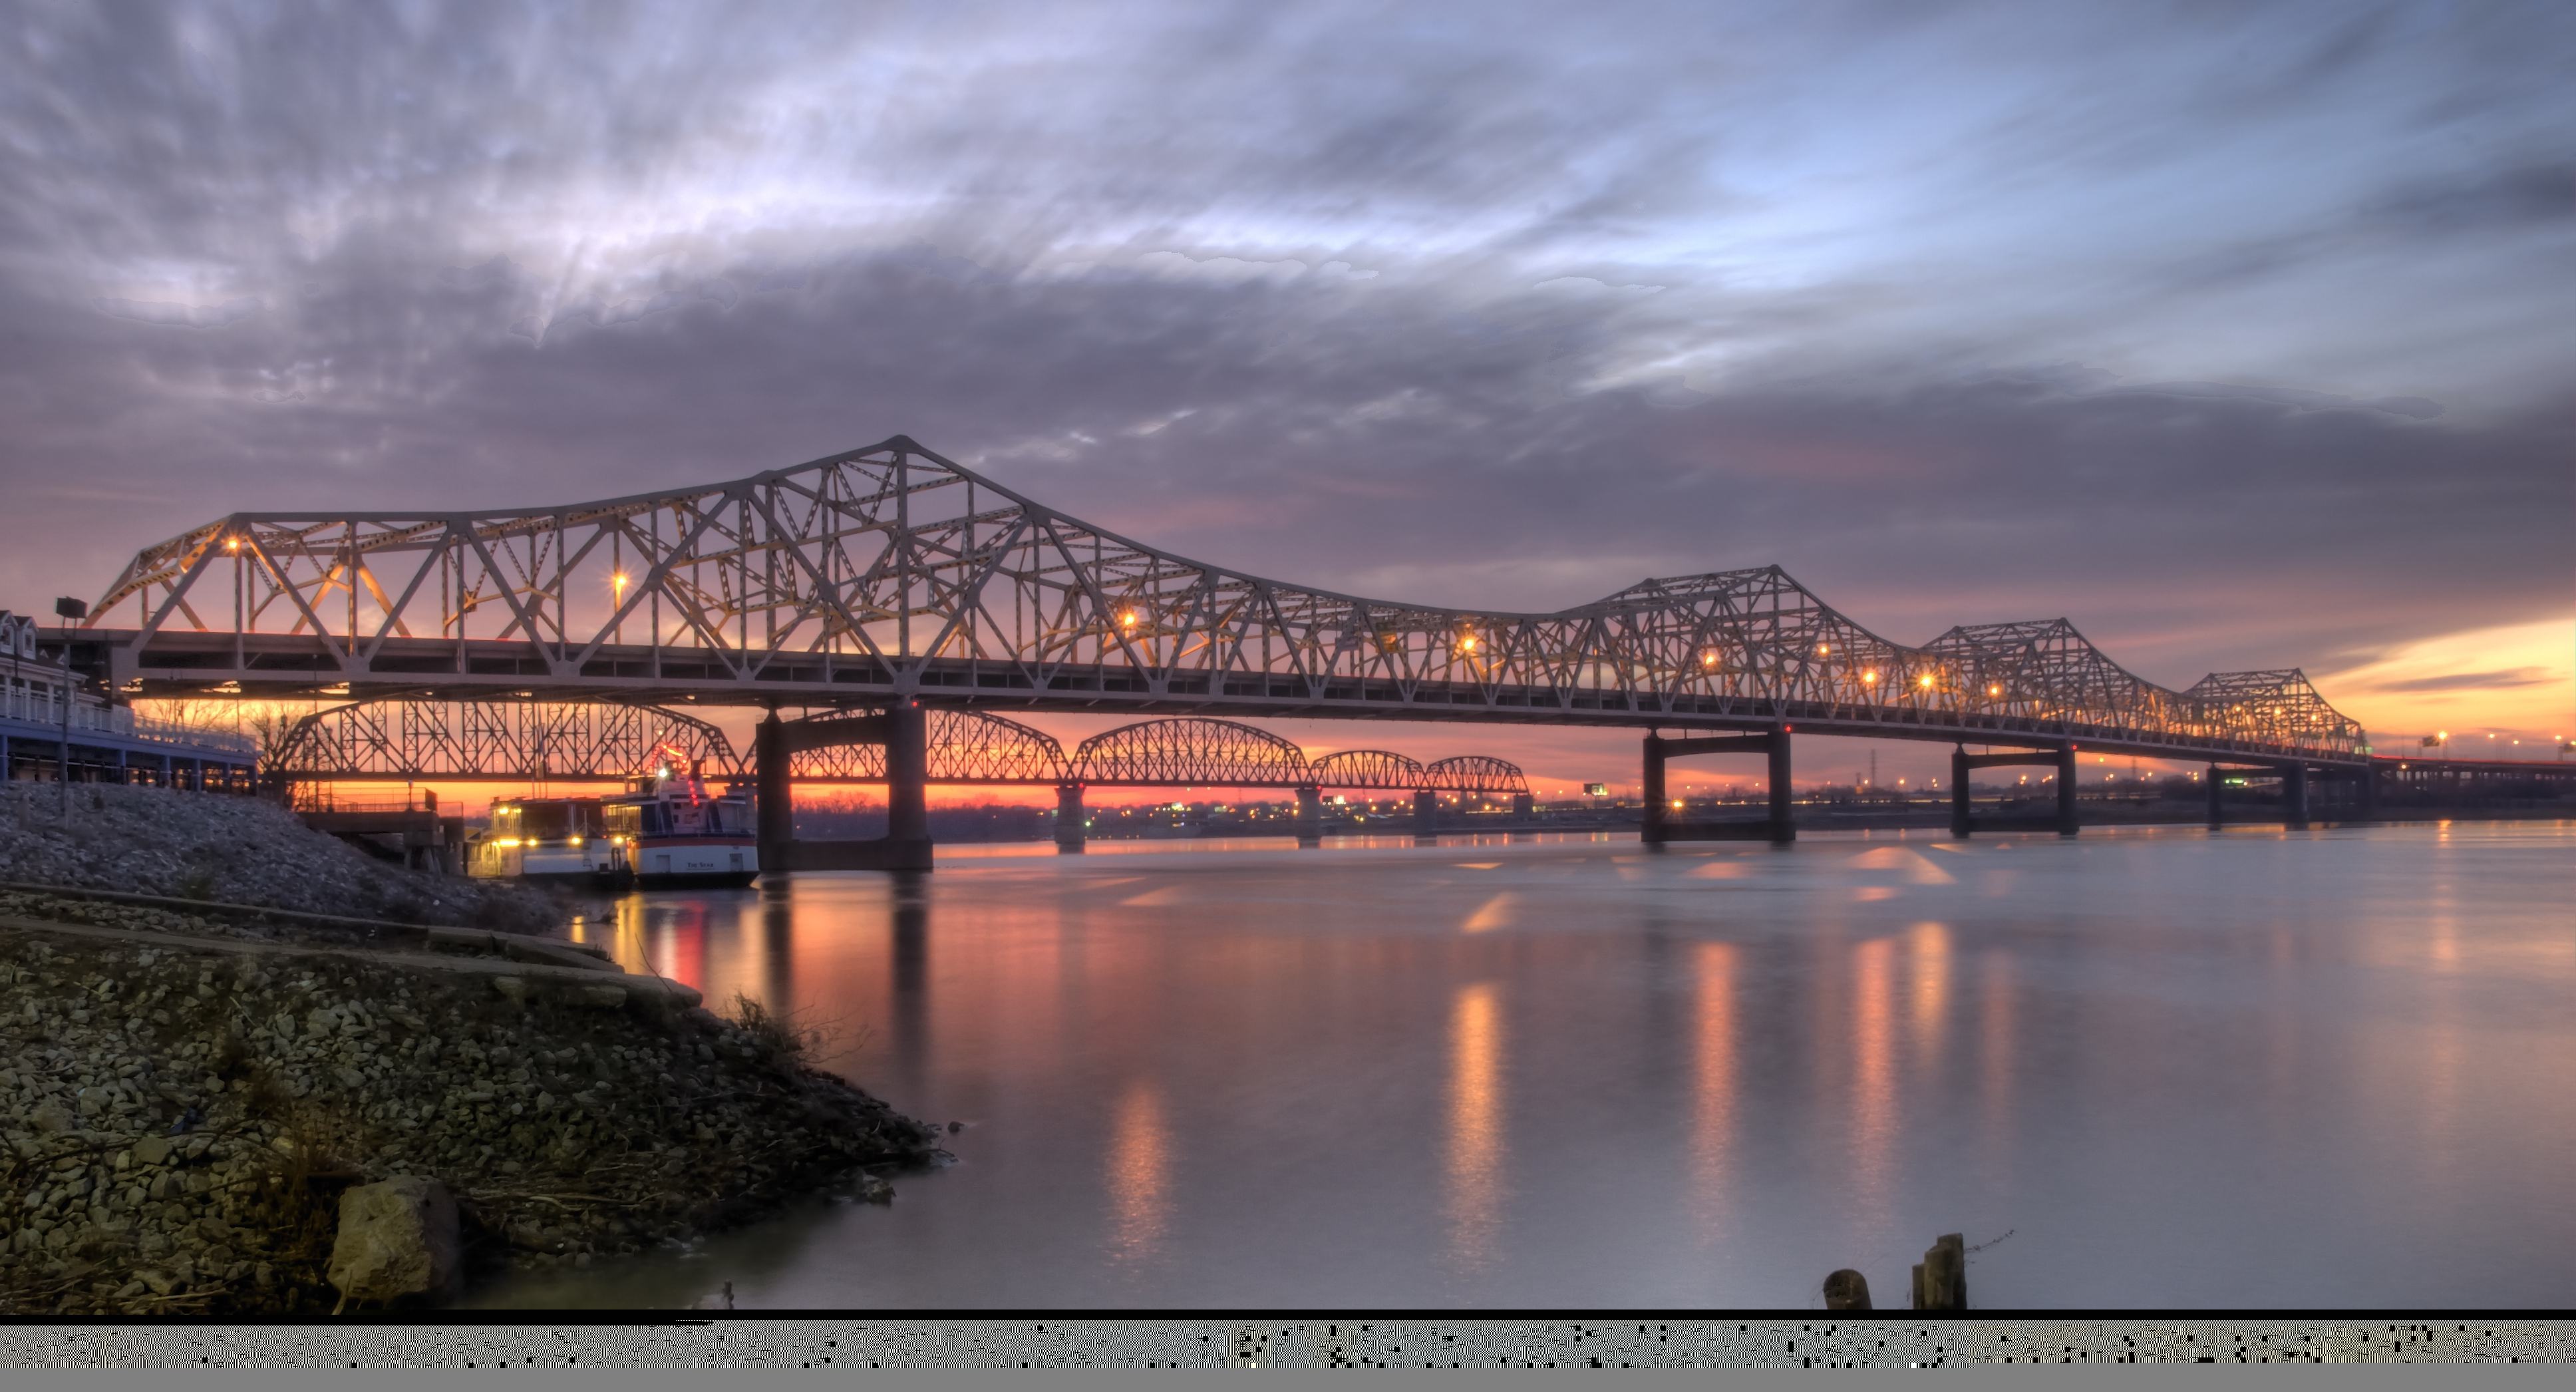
<point>67,610</point>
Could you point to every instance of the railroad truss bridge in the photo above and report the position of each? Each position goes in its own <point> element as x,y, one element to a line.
<point>887,585</point>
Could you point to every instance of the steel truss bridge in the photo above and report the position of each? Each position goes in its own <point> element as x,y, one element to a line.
<point>892,580</point>
<point>426,741</point>
<point>890,573</point>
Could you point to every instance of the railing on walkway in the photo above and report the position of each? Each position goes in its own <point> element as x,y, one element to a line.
<point>46,708</point>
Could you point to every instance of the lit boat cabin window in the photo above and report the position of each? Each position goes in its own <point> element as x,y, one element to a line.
<point>552,819</point>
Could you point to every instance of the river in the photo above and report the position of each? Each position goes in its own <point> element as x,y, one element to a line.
<point>2140,1068</point>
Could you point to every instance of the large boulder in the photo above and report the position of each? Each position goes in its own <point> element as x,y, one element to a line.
<point>397,1239</point>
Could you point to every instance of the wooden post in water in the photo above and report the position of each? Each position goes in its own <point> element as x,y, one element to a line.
<point>1941,1278</point>
<point>1846,1290</point>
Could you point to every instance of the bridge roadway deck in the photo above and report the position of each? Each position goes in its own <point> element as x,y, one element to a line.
<point>279,666</point>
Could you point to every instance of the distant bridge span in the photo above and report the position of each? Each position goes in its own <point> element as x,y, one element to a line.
<point>455,741</point>
<point>890,574</point>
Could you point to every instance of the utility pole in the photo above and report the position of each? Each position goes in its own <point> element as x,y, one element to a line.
<point>67,610</point>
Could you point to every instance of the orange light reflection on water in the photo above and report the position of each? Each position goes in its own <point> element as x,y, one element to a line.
<point>1929,946</point>
<point>1713,1119</point>
<point>1874,1074</point>
<point>1475,1169</point>
<point>1138,1173</point>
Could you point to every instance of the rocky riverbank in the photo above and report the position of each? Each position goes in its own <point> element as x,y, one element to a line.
<point>236,850</point>
<point>186,1090</point>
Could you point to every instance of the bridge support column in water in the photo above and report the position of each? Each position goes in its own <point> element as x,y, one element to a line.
<point>1310,817</point>
<point>1658,825</point>
<point>1650,816</point>
<point>774,791</point>
<point>1426,815</point>
<point>1962,764</point>
<point>907,750</point>
<point>2216,783</point>
<point>2294,795</point>
<point>904,729</point>
<point>1783,830</point>
<point>1069,831</point>
<point>2066,776</point>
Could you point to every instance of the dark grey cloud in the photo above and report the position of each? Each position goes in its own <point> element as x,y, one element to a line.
<point>2239,337</point>
<point>2472,681</point>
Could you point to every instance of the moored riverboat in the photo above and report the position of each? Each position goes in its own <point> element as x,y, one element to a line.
<point>675,834</point>
<point>547,840</point>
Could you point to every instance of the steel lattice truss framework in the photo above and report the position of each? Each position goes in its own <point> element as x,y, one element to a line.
<point>378,740</point>
<point>892,571</point>
<point>1188,751</point>
<point>443,741</point>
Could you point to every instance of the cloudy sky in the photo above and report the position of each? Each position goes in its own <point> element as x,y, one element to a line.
<point>2240,335</point>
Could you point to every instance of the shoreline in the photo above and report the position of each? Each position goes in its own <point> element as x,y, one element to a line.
<point>182,1109</point>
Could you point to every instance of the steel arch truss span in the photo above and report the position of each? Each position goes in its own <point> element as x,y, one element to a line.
<point>890,571</point>
<point>1175,753</point>
<point>965,746</point>
<point>1472,773</point>
<point>1368,768</point>
<point>447,740</point>
<point>464,740</point>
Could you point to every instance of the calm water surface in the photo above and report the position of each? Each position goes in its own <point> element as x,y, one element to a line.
<point>2252,1069</point>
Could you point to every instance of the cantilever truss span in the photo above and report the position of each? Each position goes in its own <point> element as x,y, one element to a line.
<point>890,571</point>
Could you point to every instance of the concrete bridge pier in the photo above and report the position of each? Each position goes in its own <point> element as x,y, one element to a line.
<point>1658,826</point>
<point>2216,786</point>
<point>1426,815</point>
<point>1783,829</point>
<point>1310,817</point>
<point>1069,831</point>
<point>2062,758</point>
<point>773,791</point>
<point>905,730</point>
<point>907,750</point>
<point>2066,776</point>
<point>1651,817</point>
<point>2294,796</point>
<point>1524,811</point>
